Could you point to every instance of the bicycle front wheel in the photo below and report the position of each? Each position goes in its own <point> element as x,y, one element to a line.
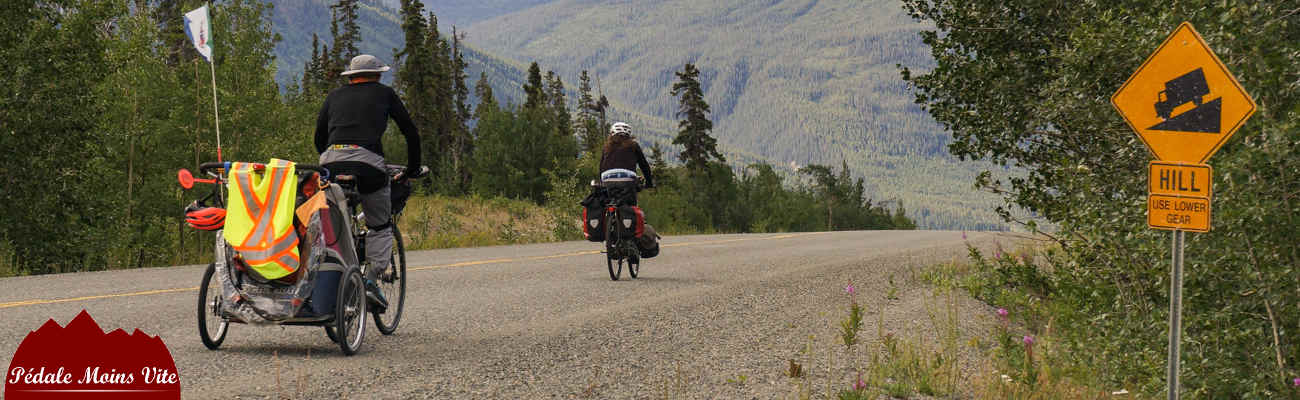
<point>393,283</point>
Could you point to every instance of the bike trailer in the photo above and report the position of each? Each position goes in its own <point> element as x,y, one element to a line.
<point>321,234</point>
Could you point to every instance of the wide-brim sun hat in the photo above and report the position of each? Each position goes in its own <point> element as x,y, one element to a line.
<point>365,63</point>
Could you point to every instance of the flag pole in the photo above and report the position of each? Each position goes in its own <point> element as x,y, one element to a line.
<point>216,114</point>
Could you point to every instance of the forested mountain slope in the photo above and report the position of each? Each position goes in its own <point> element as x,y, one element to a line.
<point>791,81</point>
<point>296,20</point>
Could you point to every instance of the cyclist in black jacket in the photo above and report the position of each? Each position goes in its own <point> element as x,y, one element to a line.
<point>621,152</point>
<point>348,132</point>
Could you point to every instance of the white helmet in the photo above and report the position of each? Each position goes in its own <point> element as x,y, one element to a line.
<point>620,128</point>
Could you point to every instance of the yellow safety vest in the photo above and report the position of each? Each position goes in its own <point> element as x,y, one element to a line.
<point>259,217</point>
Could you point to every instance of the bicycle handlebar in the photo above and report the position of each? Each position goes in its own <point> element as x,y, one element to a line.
<point>209,166</point>
<point>396,170</point>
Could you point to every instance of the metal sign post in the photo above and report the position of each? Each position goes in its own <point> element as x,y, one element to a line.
<point>1175,313</point>
<point>1184,105</point>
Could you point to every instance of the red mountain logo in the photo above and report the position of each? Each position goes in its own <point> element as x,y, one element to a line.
<point>80,361</point>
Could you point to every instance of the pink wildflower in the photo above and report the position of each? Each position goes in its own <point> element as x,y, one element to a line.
<point>1029,340</point>
<point>849,289</point>
<point>860,385</point>
<point>1295,382</point>
<point>1002,312</point>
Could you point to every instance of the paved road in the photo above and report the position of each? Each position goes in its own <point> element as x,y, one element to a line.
<point>532,321</point>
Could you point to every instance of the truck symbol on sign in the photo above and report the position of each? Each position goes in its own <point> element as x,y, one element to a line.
<point>1189,87</point>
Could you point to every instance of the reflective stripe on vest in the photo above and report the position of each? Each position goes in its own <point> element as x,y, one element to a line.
<point>259,217</point>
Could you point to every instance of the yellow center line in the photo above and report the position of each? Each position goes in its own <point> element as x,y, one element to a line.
<point>33,302</point>
<point>102,296</point>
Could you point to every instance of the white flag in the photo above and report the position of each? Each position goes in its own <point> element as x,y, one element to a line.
<point>199,31</point>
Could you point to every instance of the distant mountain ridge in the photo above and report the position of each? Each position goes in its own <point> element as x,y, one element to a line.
<point>296,20</point>
<point>791,82</point>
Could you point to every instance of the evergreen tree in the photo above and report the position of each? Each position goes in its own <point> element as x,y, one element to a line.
<point>601,106</point>
<point>586,103</point>
<point>693,134</point>
<point>415,78</point>
<point>462,142</point>
<point>659,166</point>
<point>443,142</point>
<point>344,42</point>
<point>589,129</point>
<point>486,101</point>
<point>534,89</point>
<point>559,105</point>
<point>313,73</point>
<point>459,75</point>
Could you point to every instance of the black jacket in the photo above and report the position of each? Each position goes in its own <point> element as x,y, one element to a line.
<point>627,157</point>
<point>358,114</point>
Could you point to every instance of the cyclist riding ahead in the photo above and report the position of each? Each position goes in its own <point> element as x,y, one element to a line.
<point>348,132</point>
<point>622,155</point>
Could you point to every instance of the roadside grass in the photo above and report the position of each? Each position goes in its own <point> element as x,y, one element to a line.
<point>436,222</point>
<point>8,260</point>
<point>1020,357</point>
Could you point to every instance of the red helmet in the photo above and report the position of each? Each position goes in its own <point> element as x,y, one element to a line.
<point>204,217</point>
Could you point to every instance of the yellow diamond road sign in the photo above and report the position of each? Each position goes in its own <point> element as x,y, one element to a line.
<point>1182,101</point>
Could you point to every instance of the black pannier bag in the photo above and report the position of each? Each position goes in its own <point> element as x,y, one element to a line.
<point>593,215</point>
<point>593,224</point>
<point>632,220</point>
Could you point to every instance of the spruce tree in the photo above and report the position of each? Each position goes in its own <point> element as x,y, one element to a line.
<point>313,73</point>
<point>444,113</point>
<point>534,89</point>
<point>601,106</point>
<point>462,142</point>
<point>659,166</point>
<point>586,104</point>
<point>415,78</point>
<point>693,129</point>
<point>344,42</point>
<point>486,101</point>
<point>459,74</point>
<point>559,105</point>
<point>589,130</point>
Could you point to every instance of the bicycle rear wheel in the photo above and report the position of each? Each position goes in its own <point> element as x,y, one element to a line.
<point>393,282</point>
<point>613,259</point>
<point>633,266</point>
<point>212,328</point>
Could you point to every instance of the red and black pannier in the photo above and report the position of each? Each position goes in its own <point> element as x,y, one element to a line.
<point>593,224</point>
<point>633,221</point>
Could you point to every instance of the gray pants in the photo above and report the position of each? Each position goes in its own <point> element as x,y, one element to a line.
<point>377,207</point>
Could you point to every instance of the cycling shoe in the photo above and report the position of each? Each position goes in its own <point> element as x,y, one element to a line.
<point>375,297</point>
